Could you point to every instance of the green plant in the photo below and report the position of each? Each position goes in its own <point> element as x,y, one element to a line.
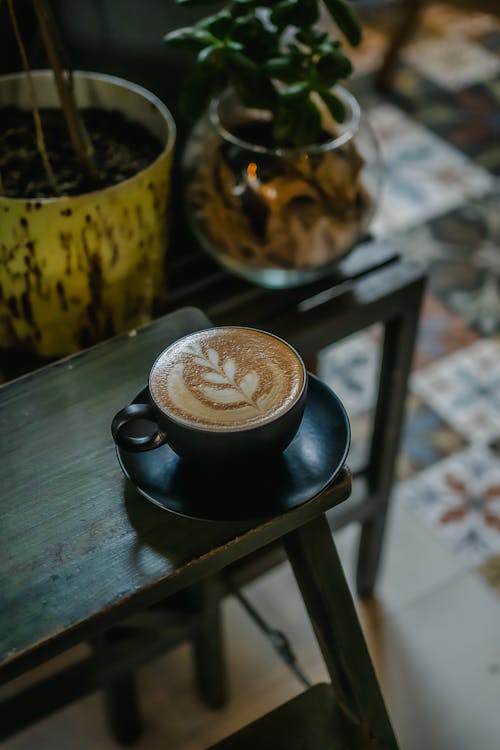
<point>274,57</point>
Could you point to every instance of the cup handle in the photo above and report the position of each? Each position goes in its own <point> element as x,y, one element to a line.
<point>132,443</point>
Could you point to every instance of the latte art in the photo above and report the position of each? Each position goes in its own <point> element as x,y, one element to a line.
<point>227,378</point>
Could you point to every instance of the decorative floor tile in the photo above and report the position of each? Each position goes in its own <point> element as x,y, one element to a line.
<point>470,289</point>
<point>426,440</point>
<point>423,176</point>
<point>481,307</point>
<point>414,94</point>
<point>461,250</point>
<point>443,18</point>
<point>460,499</point>
<point>469,226</point>
<point>440,333</point>
<point>420,245</point>
<point>470,283</point>
<point>490,571</point>
<point>452,61</point>
<point>464,388</point>
<point>446,277</point>
<point>491,39</point>
<point>350,369</point>
<point>466,119</point>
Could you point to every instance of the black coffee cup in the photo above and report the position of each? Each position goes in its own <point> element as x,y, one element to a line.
<point>226,393</point>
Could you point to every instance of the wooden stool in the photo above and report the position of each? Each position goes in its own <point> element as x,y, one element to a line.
<point>85,559</point>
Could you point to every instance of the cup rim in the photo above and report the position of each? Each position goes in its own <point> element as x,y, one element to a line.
<point>231,430</point>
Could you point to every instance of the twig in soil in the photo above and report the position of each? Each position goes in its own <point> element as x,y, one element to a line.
<point>80,139</point>
<point>40,140</point>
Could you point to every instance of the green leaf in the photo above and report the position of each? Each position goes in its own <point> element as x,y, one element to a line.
<point>346,20</point>
<point>335,105</point>
<point>210,56</point>
<point>281,13</point>
<point>234,46</point>
<point>298,13</point>
<point>189,36</point>
<point>294,92</point>
<point>249,81</point>
<point>307,126</point>
<point>331,67</point>
<point>259,41</point>
<point>299,125</point>
<point>312,37</point>
<point>282,68</point>
<point>220,24</point>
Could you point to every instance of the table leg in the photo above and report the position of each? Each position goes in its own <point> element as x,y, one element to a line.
<point>321,581</point>
<point>397,355</point>
<point>122,709</point>
<point>121,699</point>
<point>208,643</point>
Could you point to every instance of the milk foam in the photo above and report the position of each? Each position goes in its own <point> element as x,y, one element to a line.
<point>227,378</point>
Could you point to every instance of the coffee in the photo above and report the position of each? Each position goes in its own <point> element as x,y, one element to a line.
<point>227,378</point>
<point>224,394</point>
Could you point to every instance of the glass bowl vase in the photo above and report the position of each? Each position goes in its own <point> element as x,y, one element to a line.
<point>279,217</point>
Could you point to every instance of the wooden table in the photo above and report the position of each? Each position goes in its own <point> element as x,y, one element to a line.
<point>371,285</point>
<point>80,551</point>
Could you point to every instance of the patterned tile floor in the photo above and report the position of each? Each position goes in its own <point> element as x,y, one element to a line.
<point>440,141</point>
<point>423,175</point>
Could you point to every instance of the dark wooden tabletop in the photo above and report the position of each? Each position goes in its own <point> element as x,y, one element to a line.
<point>79,548</point>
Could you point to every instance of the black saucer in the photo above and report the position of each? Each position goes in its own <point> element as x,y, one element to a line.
<point>311,461</point>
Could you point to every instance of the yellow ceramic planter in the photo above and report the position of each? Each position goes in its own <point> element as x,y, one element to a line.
<point>77,270</point>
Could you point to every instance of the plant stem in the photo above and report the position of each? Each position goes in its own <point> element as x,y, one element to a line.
<point>78,134</point>
<point>40,140</point>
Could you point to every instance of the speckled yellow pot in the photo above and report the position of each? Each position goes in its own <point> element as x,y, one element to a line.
<point>76,270</point>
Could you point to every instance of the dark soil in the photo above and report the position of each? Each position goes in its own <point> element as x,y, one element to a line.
<point>122,148</point>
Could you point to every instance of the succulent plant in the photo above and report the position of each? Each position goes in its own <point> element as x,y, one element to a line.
<point>274,57</point>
